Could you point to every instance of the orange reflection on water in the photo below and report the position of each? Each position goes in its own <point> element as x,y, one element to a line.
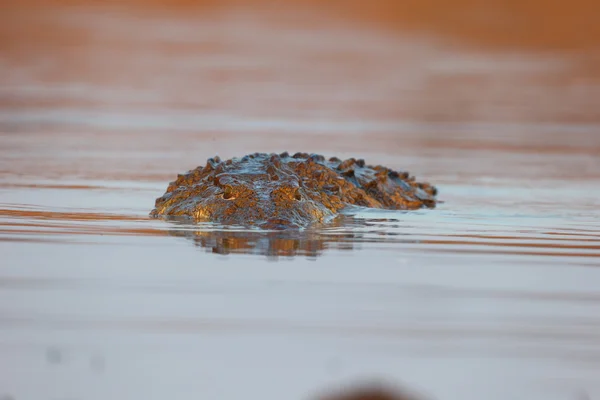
<point>417,60</point>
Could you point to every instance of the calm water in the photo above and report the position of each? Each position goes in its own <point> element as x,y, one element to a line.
<point>492,295</point>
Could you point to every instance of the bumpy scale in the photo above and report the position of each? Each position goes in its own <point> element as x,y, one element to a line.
<point>279,191</point>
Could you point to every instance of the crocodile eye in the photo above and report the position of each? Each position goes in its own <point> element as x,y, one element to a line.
<point>297,195</point>
<point>228,193</point>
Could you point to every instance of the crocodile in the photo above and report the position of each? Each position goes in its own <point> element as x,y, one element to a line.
<point>280,191</point>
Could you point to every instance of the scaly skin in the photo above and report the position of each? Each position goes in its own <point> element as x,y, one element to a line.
<point>274,191</point>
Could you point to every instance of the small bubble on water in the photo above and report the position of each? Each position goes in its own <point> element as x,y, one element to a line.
<point>54,355</point>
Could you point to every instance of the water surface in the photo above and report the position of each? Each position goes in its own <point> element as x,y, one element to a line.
<point>493,294</point>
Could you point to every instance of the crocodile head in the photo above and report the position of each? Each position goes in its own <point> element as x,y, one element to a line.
<point>258,190</point>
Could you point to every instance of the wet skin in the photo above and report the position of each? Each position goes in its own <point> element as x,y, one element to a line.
<point>279,191</point>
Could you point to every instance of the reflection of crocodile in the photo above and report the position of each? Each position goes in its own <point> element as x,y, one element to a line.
<point>277,191</point>
<point>342,234</point>
<point>272,244</point>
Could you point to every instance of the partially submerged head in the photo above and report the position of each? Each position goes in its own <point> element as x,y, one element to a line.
<point>253,191</point>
